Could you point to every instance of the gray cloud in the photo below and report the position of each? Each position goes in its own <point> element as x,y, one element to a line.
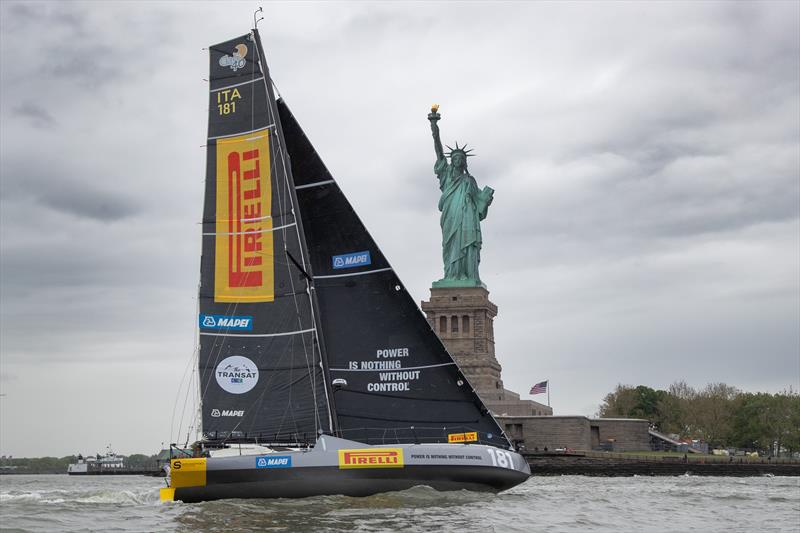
<point>37,115</point>
<point>61,189</point>
<point>646,224</point>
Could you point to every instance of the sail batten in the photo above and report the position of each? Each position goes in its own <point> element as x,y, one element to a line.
<point>281,334</point>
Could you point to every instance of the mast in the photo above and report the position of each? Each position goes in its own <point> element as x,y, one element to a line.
<point>305,263</point>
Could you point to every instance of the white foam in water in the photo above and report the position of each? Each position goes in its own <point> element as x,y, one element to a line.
<point>568,504</point>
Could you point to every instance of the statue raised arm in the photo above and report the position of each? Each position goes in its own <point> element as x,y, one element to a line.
<point>434,117</point>
<point>463,206</point>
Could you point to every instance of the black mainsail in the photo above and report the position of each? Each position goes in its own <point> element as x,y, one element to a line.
<point>260,368</point>
<point>402,384</point>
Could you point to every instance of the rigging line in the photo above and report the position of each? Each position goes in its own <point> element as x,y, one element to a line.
<point>309,286</point>
<point>267,230</point>
<point>198,399</point>
<point>177,398</point>
<point>258,335</point>
<point>235,85</point>
<point>289,406</point>
<point>189,367</point>
<point>311,374</point>
<point>391,369</point>
<point>315,184</point>
<point>354,273</point>
<point>280,151</point>
<point>264,390</point>
<point>256,403</point>
<point>185,401</point>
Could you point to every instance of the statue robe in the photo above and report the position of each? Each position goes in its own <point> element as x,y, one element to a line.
<point>462,210</point>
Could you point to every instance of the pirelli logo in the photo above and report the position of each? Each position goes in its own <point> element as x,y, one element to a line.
<point>244,267</point>
<point>463,437</point>
<point>371,458</point>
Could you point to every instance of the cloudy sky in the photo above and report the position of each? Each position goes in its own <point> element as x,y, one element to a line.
<point>646,158</point>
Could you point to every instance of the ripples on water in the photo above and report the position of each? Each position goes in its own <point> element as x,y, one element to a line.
<point>555,504</point>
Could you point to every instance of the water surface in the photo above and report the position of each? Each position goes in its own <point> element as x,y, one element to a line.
<point>554,504</point>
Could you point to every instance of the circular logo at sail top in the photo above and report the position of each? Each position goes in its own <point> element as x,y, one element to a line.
<point>237,374</point>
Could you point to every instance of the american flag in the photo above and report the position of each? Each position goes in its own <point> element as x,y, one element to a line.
<point>539,388</point>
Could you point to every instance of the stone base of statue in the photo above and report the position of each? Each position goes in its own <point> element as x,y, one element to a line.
<point>463,317</point>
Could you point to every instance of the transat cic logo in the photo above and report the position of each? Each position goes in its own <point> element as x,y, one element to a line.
<point>237,374</point>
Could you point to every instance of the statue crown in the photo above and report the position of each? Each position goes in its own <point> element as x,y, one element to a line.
<point>457,149</point>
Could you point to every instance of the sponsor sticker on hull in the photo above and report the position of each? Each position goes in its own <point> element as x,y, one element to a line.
<point>463,437</point>
<point>274,461</point>
<point>355,259</point>
<point>371,458</point>
<point>238,323</point>
<point>243,267</point>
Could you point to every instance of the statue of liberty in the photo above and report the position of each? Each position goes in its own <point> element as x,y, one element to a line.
<point>463,206</point>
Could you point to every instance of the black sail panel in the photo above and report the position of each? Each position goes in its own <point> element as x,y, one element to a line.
<point>402,384</point>
<point>259,359</point>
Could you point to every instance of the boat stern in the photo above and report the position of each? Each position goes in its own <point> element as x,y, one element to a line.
<point>184,473</point>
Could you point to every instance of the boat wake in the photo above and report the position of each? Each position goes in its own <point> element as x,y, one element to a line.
<point>98,496</point>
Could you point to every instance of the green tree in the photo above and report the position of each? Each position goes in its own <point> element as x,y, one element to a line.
<point>634,402</point>
<point>712,411</point>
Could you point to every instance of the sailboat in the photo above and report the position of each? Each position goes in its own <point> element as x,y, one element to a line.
<point>318,373</point>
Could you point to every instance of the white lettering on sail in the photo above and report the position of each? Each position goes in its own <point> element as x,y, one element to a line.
<point>388,387</point>
<point>374,365</point>
<point>388,359</point>
<point>399,376</point>
<point>393,352</point>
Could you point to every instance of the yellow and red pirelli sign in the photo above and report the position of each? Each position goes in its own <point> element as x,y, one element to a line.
<point>244,268</point>
<point>371,458</point>
<point>462,437</point>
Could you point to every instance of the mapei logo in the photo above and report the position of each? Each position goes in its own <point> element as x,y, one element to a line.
<point>371,458</point>
<point>238,323</point>
<point>216,413</point>
<point>236,61</point>
<point>277,461</point>
<point>355,259</point>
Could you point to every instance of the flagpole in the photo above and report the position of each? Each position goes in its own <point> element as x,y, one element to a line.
<point>548,393</point>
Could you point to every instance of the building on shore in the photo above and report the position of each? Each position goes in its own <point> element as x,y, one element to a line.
<point>463,317</point>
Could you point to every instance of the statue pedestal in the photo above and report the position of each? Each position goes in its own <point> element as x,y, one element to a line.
<point>463,318</point>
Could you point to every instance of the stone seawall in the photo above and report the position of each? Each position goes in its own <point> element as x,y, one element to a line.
<point>576,464</point>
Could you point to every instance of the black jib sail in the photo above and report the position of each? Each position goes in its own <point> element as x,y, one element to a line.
<point>401,383</point>
<point>261,376</point>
